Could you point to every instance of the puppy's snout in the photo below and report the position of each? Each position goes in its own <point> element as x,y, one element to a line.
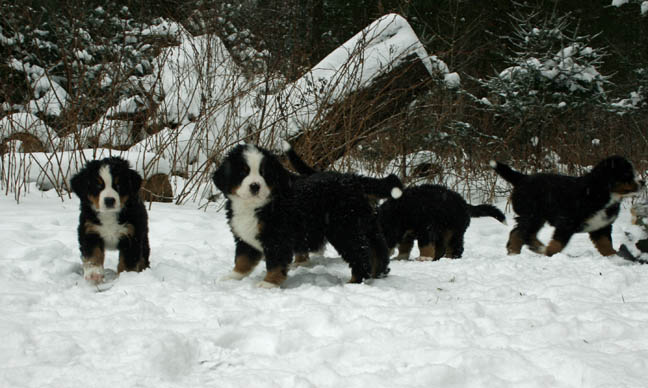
<point>109,202</point>
<point>254,188</point>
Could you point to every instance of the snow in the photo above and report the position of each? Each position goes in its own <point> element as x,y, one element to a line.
<point>199,76</point>
<point>27,123</point>
<point>487,320</point>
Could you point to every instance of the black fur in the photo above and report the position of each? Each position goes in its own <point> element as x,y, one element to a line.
<point>129,215</point>
<point>375,188</point>
<point>300,214</point>
<point>569,204</point>
<point>435,216</point>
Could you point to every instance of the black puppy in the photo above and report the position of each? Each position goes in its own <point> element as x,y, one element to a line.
<point>435,216</point>
<point>112,217</point>
<point>589,203</point>
<point>275,213</point>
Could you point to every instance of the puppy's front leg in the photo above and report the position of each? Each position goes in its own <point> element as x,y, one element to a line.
<point>245,259</point>
<point>92,255</point>
<point>130,255</point>
<point>277,262</point>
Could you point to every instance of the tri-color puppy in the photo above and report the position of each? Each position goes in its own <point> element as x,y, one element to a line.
<point>374,189</point>
<point>435,216</point>
<point>589,204</point>
<point>276,214</point>
<point>112,217</point>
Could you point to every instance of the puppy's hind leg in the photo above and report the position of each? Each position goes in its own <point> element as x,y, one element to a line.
<point>405,246</point>
<point>525,233</point>
<point>602,240</point>
<point>430,244</point>
<point>561,237</point>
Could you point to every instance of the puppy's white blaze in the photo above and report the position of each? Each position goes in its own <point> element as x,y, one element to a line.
<point>396,192</point>
<point>253,158</point>
<point>108,191</point>
<point>244,222</point>
<point>110,229</point>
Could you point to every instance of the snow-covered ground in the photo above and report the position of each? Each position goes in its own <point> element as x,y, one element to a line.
<point>487,320</point>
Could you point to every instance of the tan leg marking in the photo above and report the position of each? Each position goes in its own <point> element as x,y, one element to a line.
<point>301,259</point>
<point>354,280</point>
<point>515,242</point>
<point>604,246</point>
<point>244,265</point>
<point>121,267</point>
<point>554,247</point>
<point>276,276</point>
<point>537,246</point>
<point>404,249</point>
<point>428,253</point>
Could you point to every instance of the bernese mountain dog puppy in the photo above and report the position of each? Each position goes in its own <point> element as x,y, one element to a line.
<point>589,204</point>
<point>112,217</point>
<point>435,216</point>
<point>374,189</point>
<point>431,214</point>
<point>274,213</point>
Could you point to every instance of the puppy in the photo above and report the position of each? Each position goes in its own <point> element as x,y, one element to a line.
<point>374,189</point>
<point>434,216</point>
<point>275,214</point>
<point>112,217</point>
<point>589,203</point>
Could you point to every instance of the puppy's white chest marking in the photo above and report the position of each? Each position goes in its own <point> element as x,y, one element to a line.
<point>110,229</point>
<point>245,223</point>
<point>601,218</point>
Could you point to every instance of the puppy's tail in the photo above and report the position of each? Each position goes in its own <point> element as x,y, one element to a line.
<point>506,172</point>
<point>487,211</point>
<point>297,162</point>
<point>389,186</point>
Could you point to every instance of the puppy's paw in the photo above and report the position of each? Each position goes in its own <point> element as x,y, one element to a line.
<point>93,274</point>
<point>425,258</point>
<point>402,257</point>
<point>267,285</point>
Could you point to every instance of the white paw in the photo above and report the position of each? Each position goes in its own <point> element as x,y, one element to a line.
<point>267,285</point>
<point>402,257</point>
<point>425,258</point>
<point>93,273</point>
<point>234,276</point>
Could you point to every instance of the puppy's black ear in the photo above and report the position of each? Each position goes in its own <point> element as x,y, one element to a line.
<point>221,177</point>
<point>134,181</point>
<point>79,183</point>
<point>275,173</point>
